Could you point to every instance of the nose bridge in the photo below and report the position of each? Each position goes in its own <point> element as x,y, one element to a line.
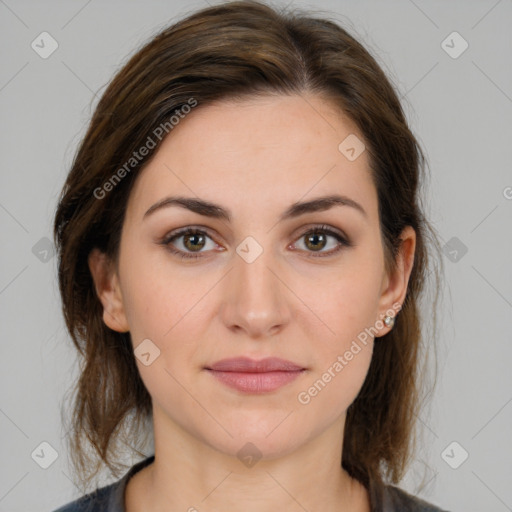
<point>255,275</point>
<point>255,300</point>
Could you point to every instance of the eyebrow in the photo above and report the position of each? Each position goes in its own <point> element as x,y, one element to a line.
<point>209,209</point>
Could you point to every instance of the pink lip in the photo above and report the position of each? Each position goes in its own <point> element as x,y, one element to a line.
<point>251,376</point>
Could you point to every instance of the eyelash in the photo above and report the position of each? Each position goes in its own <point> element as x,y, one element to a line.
<point>194,231</point>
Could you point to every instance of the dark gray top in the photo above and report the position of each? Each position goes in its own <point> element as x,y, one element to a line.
<point>110,498</point>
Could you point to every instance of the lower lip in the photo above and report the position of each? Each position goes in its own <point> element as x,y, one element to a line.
<point>256,382</point>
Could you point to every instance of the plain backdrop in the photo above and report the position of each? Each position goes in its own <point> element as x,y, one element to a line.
<point>451,64</point>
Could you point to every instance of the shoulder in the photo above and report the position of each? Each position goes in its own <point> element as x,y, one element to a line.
<point>106,499</point>
<point>396,499</point>
<point>97,501</point>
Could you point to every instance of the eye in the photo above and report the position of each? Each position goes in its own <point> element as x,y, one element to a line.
<point>317,238</point>
<point>188,243</point>
<point>193,240</point>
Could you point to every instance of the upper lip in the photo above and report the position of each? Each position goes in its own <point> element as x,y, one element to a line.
<point>246,364</point>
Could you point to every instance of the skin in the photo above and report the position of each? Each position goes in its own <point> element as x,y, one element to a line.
<point>254,157</point>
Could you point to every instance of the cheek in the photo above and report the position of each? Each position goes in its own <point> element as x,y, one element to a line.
<point>166,309</point>
<point>341,366</point>
<point>157,299</point>
<point>346,303</point>
<point>348,308</point>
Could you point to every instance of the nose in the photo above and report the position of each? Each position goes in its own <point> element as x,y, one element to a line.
<point>255,297</point>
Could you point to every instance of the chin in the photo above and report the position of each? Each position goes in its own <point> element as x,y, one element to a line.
<point>260,440</point>
<point>251,450</point>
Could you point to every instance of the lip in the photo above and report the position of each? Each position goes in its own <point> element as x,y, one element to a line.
<point>246,364</point>
<point>251,376</point>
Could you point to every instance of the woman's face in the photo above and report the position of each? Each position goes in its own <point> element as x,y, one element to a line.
<point>255,280</point>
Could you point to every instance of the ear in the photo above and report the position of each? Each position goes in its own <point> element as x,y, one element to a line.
<point>108,290</point>
<point>395,286</point>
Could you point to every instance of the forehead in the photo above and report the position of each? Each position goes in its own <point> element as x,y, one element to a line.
<point>260,151</point>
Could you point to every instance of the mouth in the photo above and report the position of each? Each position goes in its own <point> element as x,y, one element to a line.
<point>251,376</point>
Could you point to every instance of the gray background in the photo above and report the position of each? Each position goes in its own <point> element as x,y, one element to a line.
<point>461,110</point>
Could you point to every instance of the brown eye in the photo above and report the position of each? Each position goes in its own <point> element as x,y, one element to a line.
<point>318,238</point>
<point>194,242</point>
<point>188,241</point>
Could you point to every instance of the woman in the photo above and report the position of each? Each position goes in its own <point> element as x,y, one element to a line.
<point>242,253</point>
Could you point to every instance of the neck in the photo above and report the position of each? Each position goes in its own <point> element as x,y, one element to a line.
<point>189,475</point>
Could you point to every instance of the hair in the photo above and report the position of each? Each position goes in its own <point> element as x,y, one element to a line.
<point>233,51</point>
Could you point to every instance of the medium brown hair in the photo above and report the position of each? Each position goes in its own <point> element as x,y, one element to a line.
<point>232,51</point>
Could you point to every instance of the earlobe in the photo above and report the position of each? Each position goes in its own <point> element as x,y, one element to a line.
<point>107,287</point>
